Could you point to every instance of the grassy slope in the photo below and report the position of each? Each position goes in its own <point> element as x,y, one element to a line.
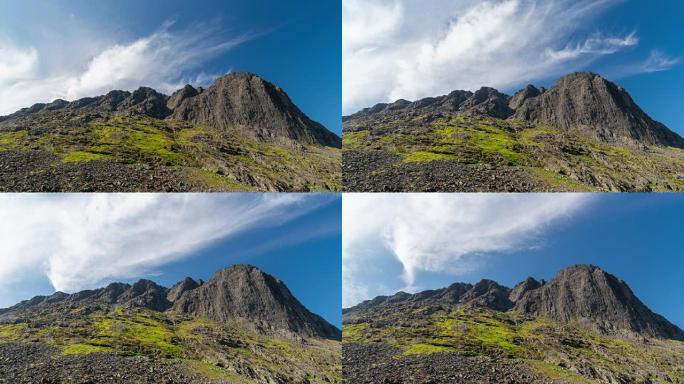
<point>222,160</point>
<point>566,161</point>
<point>554,350</point>
<point>205,347</point>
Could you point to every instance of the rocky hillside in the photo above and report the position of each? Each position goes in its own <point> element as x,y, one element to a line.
<point>583,326</point>
<point>584,133</point>
<point>241,326</point>
<point>241,133</point>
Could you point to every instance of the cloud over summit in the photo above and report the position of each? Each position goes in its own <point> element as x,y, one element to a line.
<point>407,49</point>
<point>165,60</point>
<point>437,233</point>
<point>81,241</point>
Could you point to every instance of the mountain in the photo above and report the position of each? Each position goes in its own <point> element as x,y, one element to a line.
<point>584,325</point>
<point>583,133</point>
<point>241,133</point>
<point>599,108</point>
<point>256,108</point>
<point>242,325</point>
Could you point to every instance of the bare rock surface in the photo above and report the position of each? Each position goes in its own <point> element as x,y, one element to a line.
<point>599,108</point>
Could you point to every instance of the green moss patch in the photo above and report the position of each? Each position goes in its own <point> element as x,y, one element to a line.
<point>80,156</point>
<point>426,349</point>
<point>84,349</point>
<point>421,156</point>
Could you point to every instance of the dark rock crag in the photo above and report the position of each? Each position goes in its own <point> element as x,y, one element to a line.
<point>599,108</point>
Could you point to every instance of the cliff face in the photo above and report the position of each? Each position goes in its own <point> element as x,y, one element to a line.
<point>598,108</point>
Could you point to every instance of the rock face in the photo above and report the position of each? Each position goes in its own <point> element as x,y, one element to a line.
<point>241,293</point>
<point>599,300</point>
<point>256,108</point>
<point>240,102</point>
<point>599,108</point>
<point>580,101</point>
<point>519,97</point>
<point>259,301</point>
<point>580,293</point>
<point>487,101</point>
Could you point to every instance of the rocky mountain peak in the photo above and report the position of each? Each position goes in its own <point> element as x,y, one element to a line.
<point>488,294</point>
<point>256,108</point>
<point>184,93</point>
<point>145,101</point>
<point>257,300</point>
<point>598,108</point>
<point>487,101</point>
<point>523,287</point>
<point>519,97</point>
<point>181,287</point>
<point>597,299</point>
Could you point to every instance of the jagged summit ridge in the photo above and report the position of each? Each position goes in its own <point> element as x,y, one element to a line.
<point>240,102</point>
<point>581,293</point>
<point>581,101</point>
<point>241,294</point>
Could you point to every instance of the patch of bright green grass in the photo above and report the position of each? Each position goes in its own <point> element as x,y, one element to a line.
<point>11,140</point>
<point>84,349</point>
<point>142,334</point>
<point>557,373</point>
<point>353,140</point>
<point>423,156</point>
<point>556,180</point>
<point>426,349</point>
<point>81,156</point>
<point>11,332</point>
<point>353,332</point>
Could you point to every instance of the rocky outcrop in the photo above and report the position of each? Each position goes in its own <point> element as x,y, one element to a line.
<point>599,108</point>
<point>522,288</point>
<point>488,294</point>
<point>597,299</point>
<point>487,102</point>
<point>184,93</point>
<point>181,287</point>
<point>248,104</point>
<point>517,100</point>
<point>145,101</point>
<point>145,294</point>
<point>257,300</point>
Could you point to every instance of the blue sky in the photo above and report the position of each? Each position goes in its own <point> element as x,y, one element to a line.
<point>508,237</point>
<point>50,47</point>
<point>71,242</point>
<point>403,49</point>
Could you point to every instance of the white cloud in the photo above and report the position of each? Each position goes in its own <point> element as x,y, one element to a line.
<point>162,60</point>
<point>16,63</point>
<point>436,232</point>
<point>657,61</point>
<point>405,49</point>
<point>81,241</point>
